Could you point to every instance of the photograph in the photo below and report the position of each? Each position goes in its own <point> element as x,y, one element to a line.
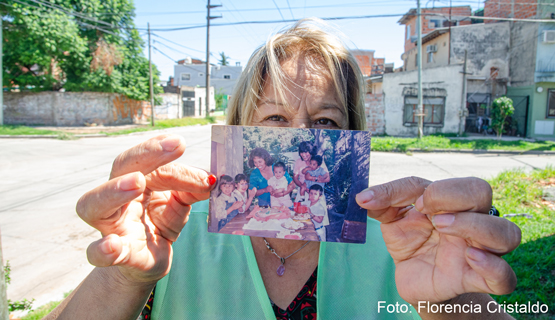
<point>289,183</point>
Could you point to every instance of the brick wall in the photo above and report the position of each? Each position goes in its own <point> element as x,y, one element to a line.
<point>72,108</point>
<point>504,9</point>
<point>375,113</point>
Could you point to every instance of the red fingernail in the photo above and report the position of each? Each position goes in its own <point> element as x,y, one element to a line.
<point>212,179</point>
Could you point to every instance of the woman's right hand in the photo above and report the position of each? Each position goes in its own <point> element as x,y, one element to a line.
<point>141,210</point>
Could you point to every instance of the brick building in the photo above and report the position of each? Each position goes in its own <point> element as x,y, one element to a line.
<point>519,9</point>
<point>433,18</point>
<point>369,65</point>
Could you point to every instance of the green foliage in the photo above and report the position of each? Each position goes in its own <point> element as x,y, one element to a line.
<point>534,260</point>
<point>501,108</point>
<point>440,142</point>
<point>165,124</point>
<point>49,48</point>
<point>223,59</point>
<point>15,305</point>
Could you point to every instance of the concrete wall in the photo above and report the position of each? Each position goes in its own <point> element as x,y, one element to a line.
<point>375,113</point>
<point>524,38</point>
<point>487,45</point>
<point>442,79</point>
<point>170,107</point>
<point>72,108</point>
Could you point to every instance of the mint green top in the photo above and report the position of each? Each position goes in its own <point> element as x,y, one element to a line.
<point>215,276</point>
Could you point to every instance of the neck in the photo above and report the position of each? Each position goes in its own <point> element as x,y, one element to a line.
<point>286,247</point>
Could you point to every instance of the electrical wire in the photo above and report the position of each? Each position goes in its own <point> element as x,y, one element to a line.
<point>282,18</point>
<point>291,11</point>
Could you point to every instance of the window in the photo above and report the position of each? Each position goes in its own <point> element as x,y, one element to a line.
<point>433,111</point>
<point>185,77</point>
<point>435,23</point>
<point>200,74</point>
<point>551,104</point>
<point>408,31</point>
<point>430,57</point>
<point>227,76</point>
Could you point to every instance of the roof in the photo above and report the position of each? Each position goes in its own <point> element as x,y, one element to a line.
<point>434,34</point>
<point>412,12</point>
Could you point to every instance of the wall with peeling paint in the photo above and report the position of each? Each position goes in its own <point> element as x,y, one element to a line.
<point>73,108</point>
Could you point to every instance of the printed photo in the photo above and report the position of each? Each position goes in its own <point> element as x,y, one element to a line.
<point>289,183</point>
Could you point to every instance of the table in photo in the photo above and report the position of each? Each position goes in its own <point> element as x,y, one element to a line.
<point>236,225</point>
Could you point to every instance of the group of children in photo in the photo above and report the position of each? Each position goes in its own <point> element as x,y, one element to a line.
<point>235,197</point>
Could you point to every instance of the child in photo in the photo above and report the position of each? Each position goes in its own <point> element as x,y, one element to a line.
<point>226,207</point>
<point>279,183</point>
<point>242,192</point>
<point>317,211</point>
<point>315,174</point>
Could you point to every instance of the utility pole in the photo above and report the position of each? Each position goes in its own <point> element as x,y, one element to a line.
<point>150,78</point>
<point>449,55</point>
<point>208,18</point>
<point>419,61</point>
<point>462,112</point>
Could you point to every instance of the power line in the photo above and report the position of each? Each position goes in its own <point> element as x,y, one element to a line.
<point>177,44</point>
<point>282,18</point>
<point>75,14</point>
<point>291,11</point>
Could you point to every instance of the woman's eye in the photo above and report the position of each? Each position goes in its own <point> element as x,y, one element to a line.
<point>275,118</point>
<point>326,122</point>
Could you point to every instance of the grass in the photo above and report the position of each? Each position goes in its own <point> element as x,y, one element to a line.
<point>534,260</point>
<point>14,130</point>
<point>44,310</point>
<point>165,124</point>
<point>450,143</point>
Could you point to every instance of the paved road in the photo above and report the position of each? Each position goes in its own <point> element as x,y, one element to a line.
<point>45,241</point>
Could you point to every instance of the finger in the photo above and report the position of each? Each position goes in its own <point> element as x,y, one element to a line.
<point>490,273</point>
<point>105,200</point>
<point>494,234</point>
<point>173,176</point>
<point>456,195</point>
<point>169,216</point>
<point>149,155</point>
<point>107,251</point>
<point>384,201</point>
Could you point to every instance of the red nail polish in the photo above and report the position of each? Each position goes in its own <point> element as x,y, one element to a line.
<point>212,179</point>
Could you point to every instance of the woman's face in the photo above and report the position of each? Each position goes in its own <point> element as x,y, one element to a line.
<point>259,163</point>
<point>312,101</point>
<point>305,156</point>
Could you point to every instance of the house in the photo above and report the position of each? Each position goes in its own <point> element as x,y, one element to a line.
<point>532,64</point>
<point>191,72</point>
<point>451,101</point>
<point>372,70</point>
<point>183,101</point>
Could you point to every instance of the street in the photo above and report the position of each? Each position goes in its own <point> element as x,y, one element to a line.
<point>42,179</point>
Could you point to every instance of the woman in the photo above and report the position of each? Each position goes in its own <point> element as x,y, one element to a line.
<point>306,151</point>
<point>262,161</point>
<point>445,249</point>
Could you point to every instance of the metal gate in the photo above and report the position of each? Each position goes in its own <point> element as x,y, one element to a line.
<point>520,103</point>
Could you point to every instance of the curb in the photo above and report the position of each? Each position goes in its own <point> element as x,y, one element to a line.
<point>476,151</point>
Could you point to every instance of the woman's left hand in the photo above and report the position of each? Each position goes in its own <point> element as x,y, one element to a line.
<point>447,244</point>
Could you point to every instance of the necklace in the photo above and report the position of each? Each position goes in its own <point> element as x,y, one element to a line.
<point>281,269</point>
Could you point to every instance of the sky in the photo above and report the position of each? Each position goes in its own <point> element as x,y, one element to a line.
<point>384,35</point>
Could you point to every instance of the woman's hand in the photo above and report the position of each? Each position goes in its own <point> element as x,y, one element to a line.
<point>141,210</point>
<point>446,244</point>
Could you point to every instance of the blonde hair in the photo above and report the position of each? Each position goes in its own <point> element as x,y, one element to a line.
<point>321,50</point>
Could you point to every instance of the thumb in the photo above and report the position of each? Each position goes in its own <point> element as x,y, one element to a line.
<point>108,251</point>
<point>384,201</point>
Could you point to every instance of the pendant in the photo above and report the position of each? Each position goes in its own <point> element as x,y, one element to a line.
<point>281,270</point>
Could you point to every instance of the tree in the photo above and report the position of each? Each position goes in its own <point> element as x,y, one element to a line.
<point>78,45</point>
<point>223,59</point>
<point>502,108</point>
